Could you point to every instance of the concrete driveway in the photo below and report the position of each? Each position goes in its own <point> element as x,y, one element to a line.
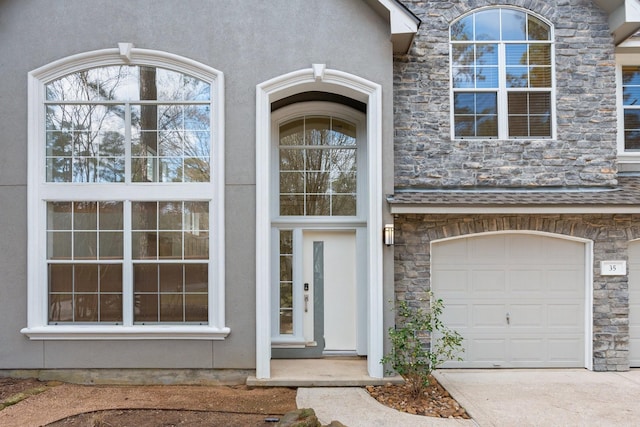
<point>546,397</point>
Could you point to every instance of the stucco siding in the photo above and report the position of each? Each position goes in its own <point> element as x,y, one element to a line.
<point>250,41</point>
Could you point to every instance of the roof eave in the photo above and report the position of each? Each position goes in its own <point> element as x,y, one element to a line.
<point>403,23</point>
<point>624,17</point>
<point>434,209</point>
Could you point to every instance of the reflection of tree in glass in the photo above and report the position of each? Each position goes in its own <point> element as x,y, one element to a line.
<point>91,134</point>
<point>319,166</point>
<point>86,142</point>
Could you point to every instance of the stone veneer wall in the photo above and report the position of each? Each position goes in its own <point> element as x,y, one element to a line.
<point>584,153</point>
<point>610,236</point>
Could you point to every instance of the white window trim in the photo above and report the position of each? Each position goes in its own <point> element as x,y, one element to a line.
<point>628,157</point>
<point>39,192</point>
<point>502,91</point>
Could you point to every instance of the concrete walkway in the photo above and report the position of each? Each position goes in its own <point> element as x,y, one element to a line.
<point>543,397</point>
<point>354,407</point>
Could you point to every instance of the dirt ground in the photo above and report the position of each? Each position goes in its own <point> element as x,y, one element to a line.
<point>28,402</point>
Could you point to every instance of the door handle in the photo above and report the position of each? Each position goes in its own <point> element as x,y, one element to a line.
<point>508,319</point>
<point>306,303</point>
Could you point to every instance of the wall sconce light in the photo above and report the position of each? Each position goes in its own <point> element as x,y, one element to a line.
<point>389,234</point>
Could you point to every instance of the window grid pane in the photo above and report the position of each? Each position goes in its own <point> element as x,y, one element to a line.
<point>85,293</point>
<point>476,115</point>
<point>78,235</point>
<point>529,114</point>
<point>170,230</point>
<point>170,293</point>
<point>286,283</point>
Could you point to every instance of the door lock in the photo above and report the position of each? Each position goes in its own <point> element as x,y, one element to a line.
<point>306,287</point>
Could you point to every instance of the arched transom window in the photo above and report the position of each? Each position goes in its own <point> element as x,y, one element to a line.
<point>502,75</point>
<point>318,167</point>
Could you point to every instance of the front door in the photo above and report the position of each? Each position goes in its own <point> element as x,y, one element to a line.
<point>316,312</point>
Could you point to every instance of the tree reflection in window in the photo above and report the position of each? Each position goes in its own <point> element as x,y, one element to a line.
<point>93,117</point>
<point>318,167</point>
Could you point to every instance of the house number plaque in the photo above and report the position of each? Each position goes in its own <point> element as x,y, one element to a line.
<point>613,268</point>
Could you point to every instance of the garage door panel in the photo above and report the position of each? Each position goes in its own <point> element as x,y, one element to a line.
<point>488,315</point>
<point>456,316</point>
<point>525,248</point>
<point>488,249</point>
<point>563,252</point>
<point>565,315</point>
<point>528,349</point>
<point>562,282</point>
<point>486,350</point>
<point>538,280</point>
<point>456,280</point>
<point>527,316</point>
<point>449,252</point>
<point>523,281</point>
<point>487,282</point>
<point>566,349</point>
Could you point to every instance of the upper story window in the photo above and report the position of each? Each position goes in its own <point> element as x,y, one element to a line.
<point>126,198</point>
<point>631,107</point>
<point>502,75</point>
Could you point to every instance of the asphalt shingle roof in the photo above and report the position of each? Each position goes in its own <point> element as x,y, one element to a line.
<point>626,194</point>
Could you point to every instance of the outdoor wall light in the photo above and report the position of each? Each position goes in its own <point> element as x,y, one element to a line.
<point>389,234</point>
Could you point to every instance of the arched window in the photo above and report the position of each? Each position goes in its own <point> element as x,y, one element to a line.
<point>502,75</point>
<point>318,166</point>
<point>126,196</point>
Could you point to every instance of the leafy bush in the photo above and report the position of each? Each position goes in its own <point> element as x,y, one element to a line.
<point>412,356</point>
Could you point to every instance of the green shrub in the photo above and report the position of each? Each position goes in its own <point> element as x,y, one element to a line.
<point>412,355</point>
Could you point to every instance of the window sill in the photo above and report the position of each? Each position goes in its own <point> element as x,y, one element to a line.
<point>98,332</point>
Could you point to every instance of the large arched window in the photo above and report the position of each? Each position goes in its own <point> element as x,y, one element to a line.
<point>125,157</point>
<point>502,75</point>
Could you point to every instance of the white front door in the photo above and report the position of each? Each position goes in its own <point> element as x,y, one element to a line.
<point>331,254</point>
<point>518,300</point>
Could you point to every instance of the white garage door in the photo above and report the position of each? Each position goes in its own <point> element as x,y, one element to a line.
<point>634,304</point>
<point>517,299</point>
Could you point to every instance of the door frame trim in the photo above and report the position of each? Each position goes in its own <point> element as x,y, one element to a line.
<point>588,278</point>
<point>320,78</point>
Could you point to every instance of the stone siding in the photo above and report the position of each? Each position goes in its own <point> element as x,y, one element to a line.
<point>584,153</point>
<point>610,236</point>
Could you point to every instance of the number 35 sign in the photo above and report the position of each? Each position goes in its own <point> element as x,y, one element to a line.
<point>613,268</point>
